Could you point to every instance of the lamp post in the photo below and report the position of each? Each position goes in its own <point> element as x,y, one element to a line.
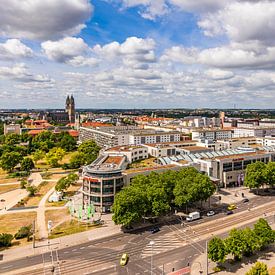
<point>152,244</point>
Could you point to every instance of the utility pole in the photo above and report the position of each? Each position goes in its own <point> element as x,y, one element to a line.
<point>33,234</point>
<point>206,250</point>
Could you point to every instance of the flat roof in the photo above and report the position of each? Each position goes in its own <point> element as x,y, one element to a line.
<point>195,148</point>
<point>258,153</point>
<point>160,167</point>
<point>125,148</point>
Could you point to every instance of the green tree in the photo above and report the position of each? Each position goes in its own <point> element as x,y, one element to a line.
<point>66,141</point>
<point>54,156</point>
<point>32,190</point>
<point>270,174</point>
<point>255,175</point>
<point>38,155</point>
<point>44,141</point>
<point>65,182</point>
<point>23,184</point>
<point>264,233</point>
<point>251,242</point>
<point>90,149</point>
<point>5,239</point>
<point>216,250</point>
<point>12,139</point>
<point>129,206</point>
<point>23,232</point>
<point>9,160</point>
<point>27,164</point>
<point>258,269</point>
<point>77,160</point>
<point>235,244</point>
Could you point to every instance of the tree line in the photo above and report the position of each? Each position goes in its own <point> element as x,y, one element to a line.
<point>241,242</point>
<point>26,151</point>
<point>155,194</point>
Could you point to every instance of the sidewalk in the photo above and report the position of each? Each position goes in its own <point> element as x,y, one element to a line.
<point>238,268</point>
<point>108,229</point>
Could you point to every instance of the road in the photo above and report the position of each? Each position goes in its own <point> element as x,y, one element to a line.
<point>175,247</point>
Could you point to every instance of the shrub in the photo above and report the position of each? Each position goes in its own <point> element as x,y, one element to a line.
<point>23,232</point>
<point>5,239</point>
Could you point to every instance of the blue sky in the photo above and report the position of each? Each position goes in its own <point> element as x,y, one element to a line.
<point>137,53</point>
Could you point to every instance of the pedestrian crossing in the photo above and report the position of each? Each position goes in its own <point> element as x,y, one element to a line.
<point>162,244</point>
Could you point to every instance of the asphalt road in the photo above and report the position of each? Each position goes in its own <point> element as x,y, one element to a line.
<point>175,246</point>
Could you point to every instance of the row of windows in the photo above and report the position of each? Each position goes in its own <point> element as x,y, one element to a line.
<point>104,199</point>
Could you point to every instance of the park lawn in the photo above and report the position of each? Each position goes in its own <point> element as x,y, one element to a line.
<point>71,227</point>
<point>57,215</point>
<point>56,204</point>
<point>10,223</point>
<point>67,158</point>
<point>4,177</point>
<point>7,188</point>
<point>43,188</point>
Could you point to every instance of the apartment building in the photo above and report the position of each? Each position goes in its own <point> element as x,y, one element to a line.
<point>215,134</point>
<point>257,131</point>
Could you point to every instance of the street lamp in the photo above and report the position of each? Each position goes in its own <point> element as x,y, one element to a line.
<point>152,244</point>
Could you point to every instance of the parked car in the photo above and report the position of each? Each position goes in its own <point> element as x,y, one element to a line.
<point>229,212</point>
<point>210,213</point>
<point>245,200</point>
<point>2,200</point>
<point>231,207</point>
<point>154,230</point>
<point>124,259</point>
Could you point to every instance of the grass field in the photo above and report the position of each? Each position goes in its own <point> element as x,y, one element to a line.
<point>7,188</point>
<point>143,163</point>
<point>71,227</point>
<point>10,223</point>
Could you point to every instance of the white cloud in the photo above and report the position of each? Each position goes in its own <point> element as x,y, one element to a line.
<point>20,72</point>
<point>13,49</point>
<point>47,19</point>
<point>217,74</point>
<point>81,61</point>
<point>64,49</point>
<point>242,21</point>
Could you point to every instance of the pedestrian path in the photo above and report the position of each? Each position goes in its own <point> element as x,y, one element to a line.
<point>162,244</point>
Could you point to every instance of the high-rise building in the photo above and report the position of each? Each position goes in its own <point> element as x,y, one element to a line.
<point>70,108</point>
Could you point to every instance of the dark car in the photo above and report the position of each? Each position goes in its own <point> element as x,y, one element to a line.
<point>2,200</point>
<point>245,200</point>
<point>154,230</point>
<point>229,212</point>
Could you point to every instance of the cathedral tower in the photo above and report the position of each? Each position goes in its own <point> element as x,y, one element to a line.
<point>70,108</point>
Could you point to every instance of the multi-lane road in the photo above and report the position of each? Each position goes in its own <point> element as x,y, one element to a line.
<point>175,246</point>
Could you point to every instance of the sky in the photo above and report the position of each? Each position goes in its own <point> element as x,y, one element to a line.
<point>137,53</point>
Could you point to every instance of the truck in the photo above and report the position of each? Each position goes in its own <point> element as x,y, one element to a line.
<point>193,216</point>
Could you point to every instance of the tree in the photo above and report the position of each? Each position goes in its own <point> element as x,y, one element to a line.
<point>9,160</point>
<point>23,184</point>
<point>129,206</point>
<point>23,232</point>
<point>12,139</point>
<point>255,175</point>
<point>32,190</point>
<point>264,233</point>
<point>27,164</point>
<point>235,243</point>
<point>44,141</point>
<point>65,182</point>
<point>5,239</point>
<point>251,243</point>
<point>66,141</point>
<point>258,269</point>
<point>38,155</point>
<point>270,174</point>
<point>54,156</point>
<point>77,160</point>
<point>216,250</point>
<point>90,149</point>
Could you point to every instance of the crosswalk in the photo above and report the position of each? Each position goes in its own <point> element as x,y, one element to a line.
<point>162,244</point>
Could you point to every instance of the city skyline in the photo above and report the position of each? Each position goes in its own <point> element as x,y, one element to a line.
<point>137,54</point>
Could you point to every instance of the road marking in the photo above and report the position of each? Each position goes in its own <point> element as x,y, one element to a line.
<point>83,247</point>
<point>74,250</point>
<point>65,252</point>
<point>5,267</point>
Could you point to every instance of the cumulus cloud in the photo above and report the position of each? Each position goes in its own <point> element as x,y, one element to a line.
<point>13,49</point>
<point>42,20</point>
<point>20,72</point>
<point>65,49</point>
<point>217,74</point>
<point>242,21</point>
